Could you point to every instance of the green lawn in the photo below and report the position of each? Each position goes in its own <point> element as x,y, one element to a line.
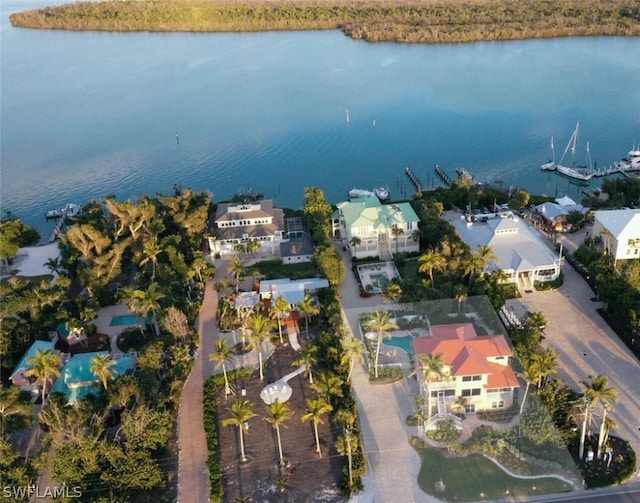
<point>273,269</point>
<point>475,478</point>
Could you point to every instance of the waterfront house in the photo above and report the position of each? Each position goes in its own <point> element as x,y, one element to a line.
<point>619,231</point>
<point>240,223</point>
<point>372,229</point>
<point>522,254</point>
<point>477,369</point>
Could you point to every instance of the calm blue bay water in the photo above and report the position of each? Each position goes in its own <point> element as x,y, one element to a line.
<point>89,114</point>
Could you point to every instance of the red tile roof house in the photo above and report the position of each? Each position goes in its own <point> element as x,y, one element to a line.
<point>478,370</point>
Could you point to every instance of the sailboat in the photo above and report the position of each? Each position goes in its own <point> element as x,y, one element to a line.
<point>551,165</point>
<point>574,171</point>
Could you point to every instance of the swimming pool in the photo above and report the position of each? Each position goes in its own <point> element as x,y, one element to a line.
<point>128,319</point>
<point>403,343</point>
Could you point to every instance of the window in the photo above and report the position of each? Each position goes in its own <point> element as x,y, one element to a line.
<point>471,392</point>
<point>471,378</point>
<point>470,409</point>
<point>497,405</point>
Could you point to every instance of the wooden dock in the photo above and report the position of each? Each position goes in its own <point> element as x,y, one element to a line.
<point>442,174</point>
<point>413,178</point>
<point>61,221</point>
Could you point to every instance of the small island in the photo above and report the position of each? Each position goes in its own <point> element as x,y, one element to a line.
<point>413,21</point>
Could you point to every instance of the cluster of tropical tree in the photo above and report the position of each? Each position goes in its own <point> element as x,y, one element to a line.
<point>115,443</point>
<point>14,234</point>
<point>556,411</point>
<point>617,284</point>
<point>621,192</point>
<point>390,20</point>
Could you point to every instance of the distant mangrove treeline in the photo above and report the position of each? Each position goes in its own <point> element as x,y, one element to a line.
<point>412,21</point>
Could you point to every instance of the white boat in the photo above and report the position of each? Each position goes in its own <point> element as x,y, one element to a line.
<point>574,171</point>
<point>631,162</point>
<point>69,210</point>
<point>360,193</point>
<point>381,192</point>
<point>551,165</point>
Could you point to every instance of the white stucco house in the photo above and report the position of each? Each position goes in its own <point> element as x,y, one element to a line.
<point>619,231</point>
<point>380,229</point>
<point>522,254</point>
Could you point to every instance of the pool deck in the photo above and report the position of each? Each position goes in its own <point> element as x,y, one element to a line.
<point>103,323</point>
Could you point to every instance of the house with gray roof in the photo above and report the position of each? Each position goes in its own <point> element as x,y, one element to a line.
<point>373,229</point>
<point>522,254</point>
<point>240,223</point>
<point>555,213</point>
<point>619,231</point>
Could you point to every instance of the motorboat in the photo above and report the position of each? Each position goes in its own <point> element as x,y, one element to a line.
<point>360,193</point>
<point>381,192</point>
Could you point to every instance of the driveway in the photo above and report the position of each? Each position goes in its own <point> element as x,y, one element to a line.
<point>587,346</point>
<point>193,475</point>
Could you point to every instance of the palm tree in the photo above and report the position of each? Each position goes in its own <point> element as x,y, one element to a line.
<point>478,262</point>
<point>277,414</point>
<point>530,375</point>
<point>223,355</point>
<point>144,303</point>
<point>352,351</point>
<point>151,250</point>
<point>316,408</point>
<point>433,368</point>
<point>279,309</point>
<point>308,308</point>
<point>544,364</point>
<point>307,357</point>
<point>346,444</point>
<point>101,367</point>
<point>237,269</point>
<point>259,327</point>
<point>609,424</point>
<point>354,242</point>
<point>328,384</point>
<point>536,321</point>
<point>241,411</point>
<point>45,365</point>
<point>395,232</point>
<point>430,261</point>
<point>391,292</point>
<point>460,404</point>
<point>598,392</point>
<point>381,324</point>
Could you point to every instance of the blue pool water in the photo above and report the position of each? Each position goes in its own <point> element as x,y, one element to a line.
<point>403,343</point>
<point>128,319</point>
<point>77,381</point>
